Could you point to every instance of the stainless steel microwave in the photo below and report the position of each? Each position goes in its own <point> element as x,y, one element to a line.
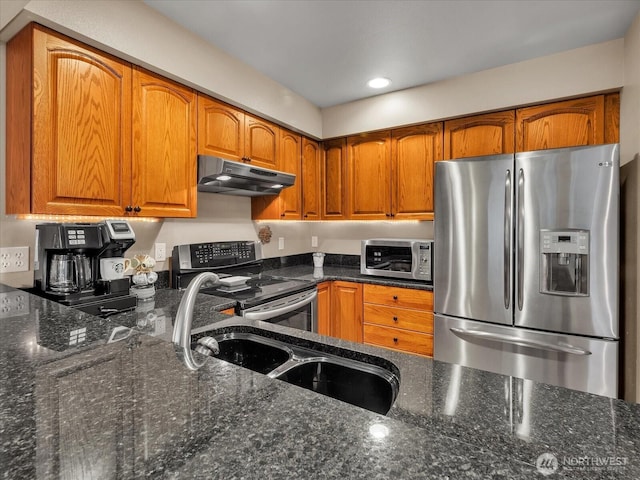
<point>398,258</point>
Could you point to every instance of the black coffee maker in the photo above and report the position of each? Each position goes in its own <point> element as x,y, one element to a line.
<point>67,265</point>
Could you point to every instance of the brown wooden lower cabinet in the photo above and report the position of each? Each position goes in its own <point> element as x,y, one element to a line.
<point>390,317</point>
<point>229,311</point>
<point>399,339</point>
<point>324,308</point>
<point>346,311</point>
<point>398,318</point>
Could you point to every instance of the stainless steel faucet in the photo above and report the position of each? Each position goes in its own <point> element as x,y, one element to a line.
<point>184,319</point>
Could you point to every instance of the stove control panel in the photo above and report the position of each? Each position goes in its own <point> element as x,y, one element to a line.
<point>213,255</point>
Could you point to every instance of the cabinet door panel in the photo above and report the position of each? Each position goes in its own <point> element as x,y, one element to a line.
<point>346,311</point>
<point>405,318</point>
<point>164,147</point>
<point>220,129</point>
<point>261,142</point>
<point>561,124</point>
<point>399,297</point>
<point>82,129</point>
<point>291,162</point>
<point>398,339</point>
<point>334,180</point>
<point>612,118</point>
<point>488,134</point>
<point>369,174</point>
<point>324,308</point>
<point>311,180</point>
<point>414,151</point>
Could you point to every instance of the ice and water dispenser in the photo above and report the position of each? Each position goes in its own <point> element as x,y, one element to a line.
<point>564,268</point>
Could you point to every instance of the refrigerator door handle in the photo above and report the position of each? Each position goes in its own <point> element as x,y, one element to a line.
<point>522,342</point>
<point>520,238</point>
<point>507,240</point>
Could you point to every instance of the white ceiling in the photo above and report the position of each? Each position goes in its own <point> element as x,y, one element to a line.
<point>326,50</point>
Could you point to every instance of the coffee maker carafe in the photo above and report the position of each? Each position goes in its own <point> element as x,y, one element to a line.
<point>69,273</point>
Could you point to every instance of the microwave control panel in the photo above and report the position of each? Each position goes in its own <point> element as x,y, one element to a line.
<point>424,260</point>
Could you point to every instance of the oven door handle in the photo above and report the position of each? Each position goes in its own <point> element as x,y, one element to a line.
<point>276,312</point>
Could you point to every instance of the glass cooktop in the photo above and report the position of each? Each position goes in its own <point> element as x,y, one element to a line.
<point>259,289</point>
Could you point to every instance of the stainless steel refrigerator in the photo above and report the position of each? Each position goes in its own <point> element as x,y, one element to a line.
<point>526,265</point>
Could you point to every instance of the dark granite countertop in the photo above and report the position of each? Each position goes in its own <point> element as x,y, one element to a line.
<point>83,397</point>
<point>342,272</point>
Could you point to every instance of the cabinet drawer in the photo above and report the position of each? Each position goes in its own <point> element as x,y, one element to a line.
<point>397,339</point>
<point>418,320</point>
<point>398,297</point>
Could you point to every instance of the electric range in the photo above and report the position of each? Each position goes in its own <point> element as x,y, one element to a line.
<point>258,296</point>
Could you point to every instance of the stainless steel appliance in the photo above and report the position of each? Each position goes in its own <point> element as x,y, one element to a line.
<point>397,258</point>
<point>291,303</point>
<point>218,175</point>
<point>526,276</point>
<point>67,265</point>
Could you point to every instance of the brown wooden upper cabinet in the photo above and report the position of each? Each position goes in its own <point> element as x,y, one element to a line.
<point>487,134</point>
<point>164,147</point>
<point>311,180</point>
<point>391,173</point>
<point>583,121</point>
<point>69,141</point>
<point>74,155</point>
<point>227,132</point>
<point>220,129</point>
<point>288,204</point>
<point>334,180</point>
<point>413,153</point>
<point>369,176</point>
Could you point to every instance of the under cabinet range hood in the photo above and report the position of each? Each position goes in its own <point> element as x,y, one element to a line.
<point>218,175</point>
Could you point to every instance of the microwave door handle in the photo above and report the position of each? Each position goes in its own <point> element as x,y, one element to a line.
<point>276,312</point>
<point>507,240</point>
<point>522,342</point>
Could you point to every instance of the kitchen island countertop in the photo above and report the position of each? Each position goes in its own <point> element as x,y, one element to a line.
<point>85,396</point>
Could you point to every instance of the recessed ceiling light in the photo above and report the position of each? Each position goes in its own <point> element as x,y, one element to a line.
<point>379,82</point>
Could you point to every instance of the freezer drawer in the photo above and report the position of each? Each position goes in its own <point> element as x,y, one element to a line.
<point>579,363</point>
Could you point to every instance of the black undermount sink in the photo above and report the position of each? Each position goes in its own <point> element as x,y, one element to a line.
<point>366,385</point>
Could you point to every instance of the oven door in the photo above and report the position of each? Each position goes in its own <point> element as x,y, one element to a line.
<point>296,311</point>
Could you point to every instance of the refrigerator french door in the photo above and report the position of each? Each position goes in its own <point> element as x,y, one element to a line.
<point>526,265</point>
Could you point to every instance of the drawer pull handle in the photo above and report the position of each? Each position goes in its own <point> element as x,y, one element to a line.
<point>395,297</point>
<point>395,319</point>
<point>395,339</point>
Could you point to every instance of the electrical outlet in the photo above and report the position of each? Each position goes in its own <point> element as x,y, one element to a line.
<point>280,243</point>
<point>314,241</point>
<point>14,259</point>
<point>161,252</point>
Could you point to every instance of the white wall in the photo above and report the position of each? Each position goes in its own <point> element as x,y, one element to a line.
<point>577,72</point>
<point>133,31</point>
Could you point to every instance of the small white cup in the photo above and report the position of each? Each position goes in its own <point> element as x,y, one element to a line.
<point>112,268</point>
<point>318,272</point>
<point>318,259</point>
